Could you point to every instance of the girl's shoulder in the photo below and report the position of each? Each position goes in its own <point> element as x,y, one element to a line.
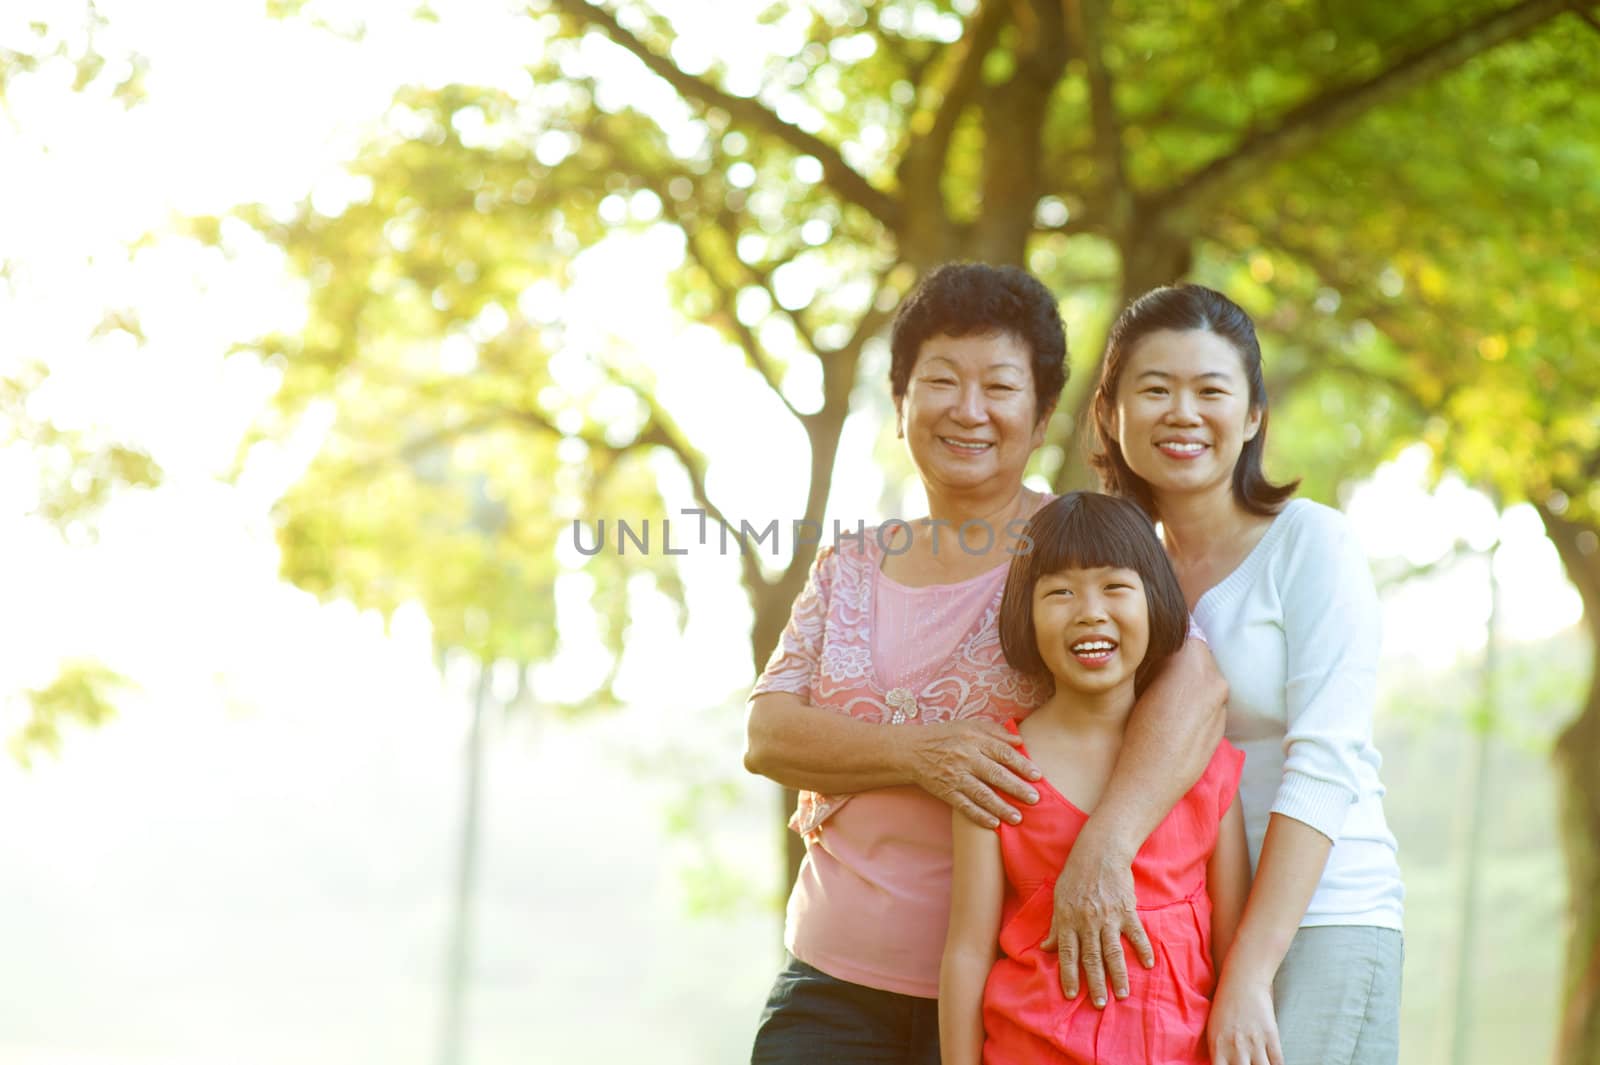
<point>1219,783</point>
<point>1226,761</point>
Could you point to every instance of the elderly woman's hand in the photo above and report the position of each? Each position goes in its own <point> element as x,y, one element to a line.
<point>1094,908</point>
<point>968,764</point>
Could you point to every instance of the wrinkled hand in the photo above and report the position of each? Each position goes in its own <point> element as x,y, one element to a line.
<point>968,764</point>
<point>1242,1029</point>
<point>1094,908</point>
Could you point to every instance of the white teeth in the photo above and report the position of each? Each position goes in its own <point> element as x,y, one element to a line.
<point>963,445</point>
<point>1092,645</point>
<point>1173,445</point>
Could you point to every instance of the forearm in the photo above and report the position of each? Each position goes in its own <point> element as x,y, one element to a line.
<point>1170,738</point>
<point>1293,856</point>
<point>807,747</point>
<point>1228,882</point>
<point>962,977</point>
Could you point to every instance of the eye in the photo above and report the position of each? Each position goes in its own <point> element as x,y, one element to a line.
<point>1052,593</point>
<point>938,380</point>
<point>1153,390</point>
<point>1002,388</point>
<point>1213,391</point>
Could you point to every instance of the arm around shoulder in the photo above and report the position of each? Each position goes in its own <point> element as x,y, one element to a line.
<point>1171,736</point>
<point>803,746</point>
<point>798,744</point>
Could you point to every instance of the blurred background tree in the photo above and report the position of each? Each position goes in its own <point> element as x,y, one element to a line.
<point>79,468</point>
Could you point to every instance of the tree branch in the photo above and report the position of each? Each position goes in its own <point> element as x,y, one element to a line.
<point>1314,119</point>
<point>839,367</point>
<point>1085,19</point>
<point>965,69</point>
<point>1406,572</point>
<point>1077,225</point>
<point>727,300</point>
<point>754,353</point>
<point>662,431</point>
<point>838,174</point>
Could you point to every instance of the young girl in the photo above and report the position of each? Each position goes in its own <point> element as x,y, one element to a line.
<point>1094,604</point>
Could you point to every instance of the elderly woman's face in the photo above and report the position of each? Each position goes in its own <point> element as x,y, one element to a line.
<point>970,412</point>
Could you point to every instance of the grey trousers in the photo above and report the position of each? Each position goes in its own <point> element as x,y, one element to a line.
<point>1337,996</point>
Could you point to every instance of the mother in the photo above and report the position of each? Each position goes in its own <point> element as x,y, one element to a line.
<point>1283,592</point>
<point>882,699</point>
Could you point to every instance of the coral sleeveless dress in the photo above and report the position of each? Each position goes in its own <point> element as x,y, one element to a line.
<point>1027,1020</point>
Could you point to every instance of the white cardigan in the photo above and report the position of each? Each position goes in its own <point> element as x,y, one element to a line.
<point>1295,630</point>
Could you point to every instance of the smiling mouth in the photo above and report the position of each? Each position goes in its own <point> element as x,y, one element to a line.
<point>1094,652</point>
<point>1181,449</point>
<point>968,447</point>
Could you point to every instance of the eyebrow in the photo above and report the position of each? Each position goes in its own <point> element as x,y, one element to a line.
<point>1163,375</point>
<point>993,366</point>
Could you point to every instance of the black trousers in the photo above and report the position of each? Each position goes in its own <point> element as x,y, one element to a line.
<point>812,1018</point>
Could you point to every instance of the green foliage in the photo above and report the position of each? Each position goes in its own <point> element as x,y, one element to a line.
<point>443,477</point>
<point>79,470</point>
<point>82,693</point>
<point>1450,275</point>
<point>49,38</point>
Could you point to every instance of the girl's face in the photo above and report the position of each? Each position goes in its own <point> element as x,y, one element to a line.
<point>1183,412</point>
<point>1093,627</point>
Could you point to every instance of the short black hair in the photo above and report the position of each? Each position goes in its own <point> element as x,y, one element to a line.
<point>976,299</point>
<point>1087,530</point>
<point>1182,308</point>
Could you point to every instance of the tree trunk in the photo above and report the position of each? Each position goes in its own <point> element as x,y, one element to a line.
<point>1477,802</point>
<point>772,605</point>
<point>458,957</point>
<point>1577,754</point>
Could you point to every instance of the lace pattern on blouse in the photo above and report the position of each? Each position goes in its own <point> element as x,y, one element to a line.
<point>825,656</point>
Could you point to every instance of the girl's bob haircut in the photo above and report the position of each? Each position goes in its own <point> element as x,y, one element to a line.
<point>1087,530</point>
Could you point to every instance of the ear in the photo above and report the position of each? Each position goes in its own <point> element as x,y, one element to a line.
<point>1040,426</point>
<point>1252,424</point>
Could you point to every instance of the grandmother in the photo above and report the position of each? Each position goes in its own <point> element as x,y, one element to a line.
<point>882,700</point>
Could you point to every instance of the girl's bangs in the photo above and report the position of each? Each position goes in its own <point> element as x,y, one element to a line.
<point>1079,539</point>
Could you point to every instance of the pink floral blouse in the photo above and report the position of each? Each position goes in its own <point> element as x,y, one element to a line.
<point>831,656</point>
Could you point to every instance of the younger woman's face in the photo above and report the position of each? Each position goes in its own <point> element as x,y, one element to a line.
<point>1092,626</point>
<point>1183,412</point>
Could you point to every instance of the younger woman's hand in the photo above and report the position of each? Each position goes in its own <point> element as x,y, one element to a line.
<point>969,764</point>
<point>1243,1029</point>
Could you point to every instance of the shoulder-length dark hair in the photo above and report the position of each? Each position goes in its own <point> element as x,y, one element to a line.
<point>1087,530</point>
<point>1181,308</point>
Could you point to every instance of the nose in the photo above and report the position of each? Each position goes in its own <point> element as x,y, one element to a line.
<point>1091,610</point>
<point>1181,408</point>
<point>969,408</point>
